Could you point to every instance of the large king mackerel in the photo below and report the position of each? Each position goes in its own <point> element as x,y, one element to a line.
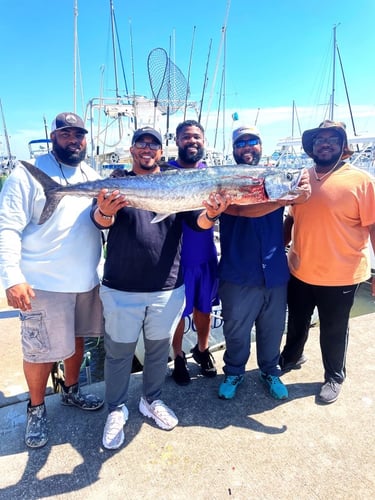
<point>180,190</point>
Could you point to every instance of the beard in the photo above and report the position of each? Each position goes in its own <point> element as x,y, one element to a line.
<point>68,157</point>
<point>255,160</point>
<point>188,157</point>
<point>148,168</point>
<point>326,163</point>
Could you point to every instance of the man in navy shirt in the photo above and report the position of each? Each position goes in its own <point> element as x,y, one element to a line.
<point>253,274</point>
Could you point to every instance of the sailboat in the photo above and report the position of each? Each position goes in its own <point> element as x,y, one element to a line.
<point>362,145</point>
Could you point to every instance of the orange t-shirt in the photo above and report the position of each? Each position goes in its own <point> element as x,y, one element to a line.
<point>330,234</point>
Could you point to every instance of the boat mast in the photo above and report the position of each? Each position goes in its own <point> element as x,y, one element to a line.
<point>188,78</point>
<point>10,158</point>
<point>332,100</point>
<point>75,49</point>
<point>223,32</point>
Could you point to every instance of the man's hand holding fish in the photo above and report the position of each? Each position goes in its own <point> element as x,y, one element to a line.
<point>108,204</point>
<point>214,207</point>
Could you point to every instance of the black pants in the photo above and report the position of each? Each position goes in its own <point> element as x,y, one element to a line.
<point>334,304</point>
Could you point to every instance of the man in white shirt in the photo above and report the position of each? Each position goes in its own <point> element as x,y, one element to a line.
<point>49,272</point>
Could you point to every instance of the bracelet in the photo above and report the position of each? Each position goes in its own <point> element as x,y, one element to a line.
<point>104,216</point>
<point>212,219</point>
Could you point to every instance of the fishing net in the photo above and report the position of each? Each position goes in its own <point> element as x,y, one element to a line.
<point>168,84</point>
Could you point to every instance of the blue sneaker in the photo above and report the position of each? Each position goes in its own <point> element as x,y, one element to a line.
<point>277,389</point>
<point>228,388</point>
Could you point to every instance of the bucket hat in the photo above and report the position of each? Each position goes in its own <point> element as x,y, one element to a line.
<point>309,135</point>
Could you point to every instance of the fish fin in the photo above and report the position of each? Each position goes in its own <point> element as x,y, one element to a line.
<point>43,179</point>
<point>159,218</point>
<point>51,190</point>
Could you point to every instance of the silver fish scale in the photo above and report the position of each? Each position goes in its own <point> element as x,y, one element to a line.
<point>180,190</point>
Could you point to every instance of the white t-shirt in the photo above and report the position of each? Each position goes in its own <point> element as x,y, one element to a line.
<point>61,255</point>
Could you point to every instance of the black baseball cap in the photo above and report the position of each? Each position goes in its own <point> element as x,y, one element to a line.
<point>67,120</point>
<point>147,131</point>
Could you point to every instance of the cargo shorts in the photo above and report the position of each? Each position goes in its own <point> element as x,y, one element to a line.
<point>49,330</point>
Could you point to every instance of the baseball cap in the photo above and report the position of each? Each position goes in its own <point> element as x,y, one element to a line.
<point>147,130</point>
<point>67,120</point>
<point>245,130</point>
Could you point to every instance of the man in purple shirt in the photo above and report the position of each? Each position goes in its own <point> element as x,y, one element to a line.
<point>199,262</point>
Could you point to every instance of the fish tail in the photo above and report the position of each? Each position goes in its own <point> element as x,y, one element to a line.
<point>51,188</point>
<point>52,200</point>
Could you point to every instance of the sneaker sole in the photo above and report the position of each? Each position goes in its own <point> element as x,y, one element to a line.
<point>32,444</point>
<point>325,401</point>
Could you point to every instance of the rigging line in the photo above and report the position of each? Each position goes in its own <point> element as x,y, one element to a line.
<point>224,90</point>
<point>223,31</point>
<point>256,117</point>
<point>298,122</point>
<point>168,97</point>
<point>204,82</point>
<point>133,73</point>
<point>189,69</point>
<point>219,108</point>
<point>75,13</point>
<point>346,92</point>
<point>121,58</point>
<point>114,47</point>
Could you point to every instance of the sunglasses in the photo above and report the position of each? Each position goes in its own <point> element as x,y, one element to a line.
<point>143,145</point>
<point>332,141</point>
<point>249,142</point>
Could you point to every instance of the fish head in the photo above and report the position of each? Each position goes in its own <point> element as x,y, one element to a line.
<point>282,183</point>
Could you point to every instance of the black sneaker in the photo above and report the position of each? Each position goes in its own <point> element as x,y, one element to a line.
<point>292,365</point>
<point>205,360</point>
<point>180,373</point>
<point>72,396</point>
<point>36,434</point>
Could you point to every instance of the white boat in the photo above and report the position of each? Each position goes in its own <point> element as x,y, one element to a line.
<point>39,147</point>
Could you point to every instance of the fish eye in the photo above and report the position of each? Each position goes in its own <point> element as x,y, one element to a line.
<point>289,176</point>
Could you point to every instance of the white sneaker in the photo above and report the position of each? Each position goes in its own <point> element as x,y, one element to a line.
<point>159,411</point>
<point>113,434</point>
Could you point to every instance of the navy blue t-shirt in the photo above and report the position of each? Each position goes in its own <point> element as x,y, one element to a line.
<point>253,251</point>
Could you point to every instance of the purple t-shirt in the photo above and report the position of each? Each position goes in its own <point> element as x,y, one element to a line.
<point>197,247</point>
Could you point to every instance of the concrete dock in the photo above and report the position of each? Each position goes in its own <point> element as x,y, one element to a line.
<point>252,447</point>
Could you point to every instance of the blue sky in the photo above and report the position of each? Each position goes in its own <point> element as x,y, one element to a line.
<point>275,53</point>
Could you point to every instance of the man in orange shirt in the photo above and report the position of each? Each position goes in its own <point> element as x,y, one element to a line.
<point>329,254</point>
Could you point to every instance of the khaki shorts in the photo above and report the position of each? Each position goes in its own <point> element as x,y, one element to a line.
<point>48,331</point>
